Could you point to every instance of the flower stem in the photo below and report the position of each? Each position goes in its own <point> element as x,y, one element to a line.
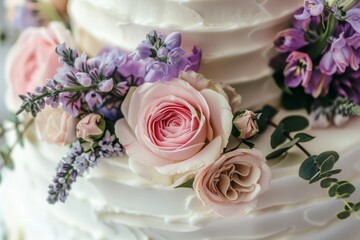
<point>290,138</point>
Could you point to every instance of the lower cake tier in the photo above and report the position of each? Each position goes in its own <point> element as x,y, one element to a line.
<point>113,203</point>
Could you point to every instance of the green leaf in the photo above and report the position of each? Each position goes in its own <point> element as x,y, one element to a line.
<point>357,207</point>
<point>325,183</point>
<point>325,155</point>
<point>188,184</point>
<point>283,149</point>
<point>349,206</point>
<point>267,114</point>
<point>327,165</point>
<point>343,214</point>
<point>345,189</point>
<point>315,178</point>
<point>304,137</point>
<point>332,190</point>
<point>278,137</point>
<point>13,118</point>
<point>308,168</point>
<point>295,123</point>
<point>249,144</point>
<point>330,173</point>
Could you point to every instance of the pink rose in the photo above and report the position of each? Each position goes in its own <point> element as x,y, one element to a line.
<point>246,124</point>
<point>91,127</point>
<point>173,126</point>
<point>32,60</point>
<point>56,126</point>
<point>230,186</point>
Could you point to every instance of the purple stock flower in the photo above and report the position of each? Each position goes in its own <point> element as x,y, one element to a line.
<point>339,57</point>
<point>290,40</point>
<point>173,40</point>
<point>121,88</point>
<point>194,60</point>
<point>141,52</point>
<point>347,85</point>
<point>177,60</point>
<point>157,71</point>
<point>106,85</point>
<point>69,105</point>
<point>81,63</point>
<point>163,52</point>
<point>318,84</point>
<point>311,8</point>
<point>353,17</point>
<point>93,99</point>
<point>298,69</point>
<point>84,79</point>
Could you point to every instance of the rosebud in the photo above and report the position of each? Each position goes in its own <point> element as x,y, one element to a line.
<point>173,40</point>
<point>91,127</point>
<point>246,124</point>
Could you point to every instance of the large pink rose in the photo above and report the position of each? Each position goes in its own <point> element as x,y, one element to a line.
<point>173,126</point>
<point>56,126</point>
<point>230,186</point>
<point>32,59</point>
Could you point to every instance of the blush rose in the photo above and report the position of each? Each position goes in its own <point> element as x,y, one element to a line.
<point>32,59</point>
<point>246,124</point>
<point>175,127</point>
<point>56,126</point>
<point>90,127</point>
<point>230,186</point>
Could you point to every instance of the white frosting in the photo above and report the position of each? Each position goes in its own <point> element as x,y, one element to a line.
<point>113,203</point>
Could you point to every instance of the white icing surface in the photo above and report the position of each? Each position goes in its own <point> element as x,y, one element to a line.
<point>113,203</point>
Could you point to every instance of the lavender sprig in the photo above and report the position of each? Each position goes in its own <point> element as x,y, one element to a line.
<point>78,161</point>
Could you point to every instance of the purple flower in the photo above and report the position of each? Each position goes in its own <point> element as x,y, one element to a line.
<point>347,85</point>
<point>353,17</point>
<point>194,60</point>
<point>298,69</point>
<point>106,85</point>
<point>318,84</point>
<point>311,8</point>
<point>178,61</point>
<point>81,63</point>
<point>84,79</point>
<point>69,105</point>
<point>173,40</point>
<point>158,71</point>
<point>290,40</point>
<point>163,52</point>
<point>339,57</point>
<point>93,99</point>
<point>121,88</point>
<point>24,17</point>
<point>142,52</point>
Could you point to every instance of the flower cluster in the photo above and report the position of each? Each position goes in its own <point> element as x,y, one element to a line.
<point>166,56</point>
<point>320,54</point>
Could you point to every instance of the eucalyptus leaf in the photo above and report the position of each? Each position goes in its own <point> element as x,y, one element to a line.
<point>349,206</point>
<point>332,190</point>
<point>343,214</point>
<point>345,189</point>
<point>325,155</point>
<point>295,123</point>
<point>308,168</point>
<point>304,137</point>
<point>187,184</point>
<point>330,173</point>
<point>325,183</point>
<point>357,207</point>
<point>267,114</point>
<point>283,149</point>
<point>249,144</point>
<point>327,165</point>
<point>315,178</point>
<point>278,137</point>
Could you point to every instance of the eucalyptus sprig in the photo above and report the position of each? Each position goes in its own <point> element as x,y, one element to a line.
<point>20,128</point>
<point>316,167</point>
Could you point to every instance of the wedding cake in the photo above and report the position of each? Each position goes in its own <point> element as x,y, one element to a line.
<point>115,202</point>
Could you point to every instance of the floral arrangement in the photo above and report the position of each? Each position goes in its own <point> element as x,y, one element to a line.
<point>318,61</point>
<point>172,123</point>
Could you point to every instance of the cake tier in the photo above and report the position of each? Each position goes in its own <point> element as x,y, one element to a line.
<point>113,203</point>
<point>235,35</point>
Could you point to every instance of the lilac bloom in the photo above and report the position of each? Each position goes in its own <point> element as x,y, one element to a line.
<point>339,57</point>
<point>66,76</point>
<point>93,99</point>
<point>81,62</point>
<point>290,40</point>
<point>70,106</point>
<point>142,52</point>
<point>178,61</point>
<point>106,85</point>
<point>121,88</point>
<point>311,8</point>
<point>318,84</point>
<point>194,60</point>
<point>298,69</point>
<point>158,71</point>
<point>353,17</point>
<point>173,40</point>
<point>163,52</point>
<point>84,79</point>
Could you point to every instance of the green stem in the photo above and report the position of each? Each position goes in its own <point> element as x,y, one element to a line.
<point>321,44</point>
<point>290,138</point>
<point>352,210</point>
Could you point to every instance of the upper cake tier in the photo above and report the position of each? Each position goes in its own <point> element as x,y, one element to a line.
<point>236,40</point>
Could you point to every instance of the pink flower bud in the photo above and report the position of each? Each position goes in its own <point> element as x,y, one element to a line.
<point>91,127</point>
<point>246,124</point>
